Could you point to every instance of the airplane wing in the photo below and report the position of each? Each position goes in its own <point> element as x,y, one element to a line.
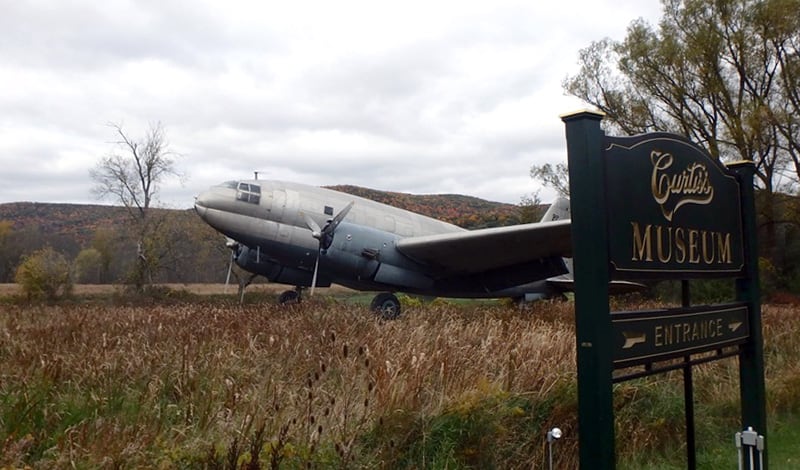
<point>486,249</point>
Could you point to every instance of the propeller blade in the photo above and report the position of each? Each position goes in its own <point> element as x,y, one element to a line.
<point>316,232</point>
<point>337,219</point>
<point>233,245</point>
<point>228,277</point>
<point>314,277</point>
<point>325,237</point>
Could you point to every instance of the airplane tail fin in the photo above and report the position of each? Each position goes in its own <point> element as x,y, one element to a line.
<point>558,210</point>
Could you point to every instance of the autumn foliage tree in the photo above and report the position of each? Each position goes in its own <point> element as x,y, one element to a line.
<point>45,274</point>
<point>725,74</point>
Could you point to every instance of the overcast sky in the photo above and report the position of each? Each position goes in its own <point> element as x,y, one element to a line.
<point>414,96</point>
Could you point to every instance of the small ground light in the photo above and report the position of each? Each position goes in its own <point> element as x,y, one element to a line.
<point>552,435</point>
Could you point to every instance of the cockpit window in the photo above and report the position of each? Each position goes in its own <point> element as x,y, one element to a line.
<point>229,184</point>
<point>250,193</point>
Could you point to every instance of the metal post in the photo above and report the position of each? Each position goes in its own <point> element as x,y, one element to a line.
<point>750,448</point>
<point>552,436</point>
<point>688,392</point>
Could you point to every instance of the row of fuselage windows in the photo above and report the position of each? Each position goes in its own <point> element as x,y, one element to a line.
<point>246,192</point>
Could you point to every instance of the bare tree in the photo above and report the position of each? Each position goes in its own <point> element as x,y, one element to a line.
<point>131,175</point>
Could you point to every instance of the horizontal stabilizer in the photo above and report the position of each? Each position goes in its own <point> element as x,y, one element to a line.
<point>567,284</point>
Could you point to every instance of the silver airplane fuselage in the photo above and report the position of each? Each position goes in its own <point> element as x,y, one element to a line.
<point>269,220</point>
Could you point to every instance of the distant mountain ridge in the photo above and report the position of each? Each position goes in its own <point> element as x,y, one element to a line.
<point>76,221</point>
<point>465,211</point>
<point>80,221</point>
<point>70,228</point>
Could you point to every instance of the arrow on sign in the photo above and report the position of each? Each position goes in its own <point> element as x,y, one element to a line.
<point>632,338</point>
<point>733,326</point>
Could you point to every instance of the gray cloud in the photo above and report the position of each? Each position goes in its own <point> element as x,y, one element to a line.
<point>417,97</point>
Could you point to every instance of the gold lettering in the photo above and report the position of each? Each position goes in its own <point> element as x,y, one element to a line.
<point>687,332</point>
<point>692,185</point>
<point>694,255</point>
<point>680,244</point>
<point>660,244</point>
<point>642,247</point>
<point>708,251</point>
<point>659,184</point>
<point>724,248</point>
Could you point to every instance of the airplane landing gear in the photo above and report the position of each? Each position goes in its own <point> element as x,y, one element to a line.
<point>386,305</point>
<point>290,297</point>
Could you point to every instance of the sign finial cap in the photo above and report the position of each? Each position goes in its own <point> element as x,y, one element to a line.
<point>583,114</point>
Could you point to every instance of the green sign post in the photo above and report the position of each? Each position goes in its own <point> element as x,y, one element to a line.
<point>657,206</point>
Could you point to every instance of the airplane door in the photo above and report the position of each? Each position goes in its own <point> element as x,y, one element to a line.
<point>278,204</point>
<point>285,207</point>
<point>292,207</point>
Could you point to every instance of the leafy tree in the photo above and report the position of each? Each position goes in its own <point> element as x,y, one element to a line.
<point>45,274</point>
<point>718,72</point>
<point>553,177</point>
<point>131,174</point>
<point>88,266</point>
<point>15,242</point>
<point>7,258</point>
<point>530,208</point>
<point>104,242</point>
<point>724,73</point>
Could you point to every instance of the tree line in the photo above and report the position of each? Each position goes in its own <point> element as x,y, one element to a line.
<point>726,75</point>
<point>187,251</point>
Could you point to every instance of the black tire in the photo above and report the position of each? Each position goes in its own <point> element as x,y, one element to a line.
<point>386,305</point>
<point>289,297</point>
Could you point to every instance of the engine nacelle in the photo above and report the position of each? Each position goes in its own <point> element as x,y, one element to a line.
<point>371,254</point>
<point>251,259</point>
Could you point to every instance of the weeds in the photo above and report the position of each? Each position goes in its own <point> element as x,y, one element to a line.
<point>327,385</point>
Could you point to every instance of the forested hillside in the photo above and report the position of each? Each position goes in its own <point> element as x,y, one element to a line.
<point>199,254</point>
<point>464,211</point>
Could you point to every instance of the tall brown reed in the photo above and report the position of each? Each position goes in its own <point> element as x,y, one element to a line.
<point>321,384</point>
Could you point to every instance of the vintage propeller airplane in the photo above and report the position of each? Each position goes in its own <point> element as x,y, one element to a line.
<point>308,236</point>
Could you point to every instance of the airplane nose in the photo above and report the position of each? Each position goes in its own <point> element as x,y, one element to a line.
<point>201,204</point>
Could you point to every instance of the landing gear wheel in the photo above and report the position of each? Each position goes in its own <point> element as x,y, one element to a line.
<point>386,305</point>
<point>289,297</point>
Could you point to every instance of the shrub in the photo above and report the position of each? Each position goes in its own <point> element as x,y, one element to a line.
<point>44,274</point>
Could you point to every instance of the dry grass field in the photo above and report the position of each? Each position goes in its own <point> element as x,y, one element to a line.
<point>325,384</point>
<point>199,289</point>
